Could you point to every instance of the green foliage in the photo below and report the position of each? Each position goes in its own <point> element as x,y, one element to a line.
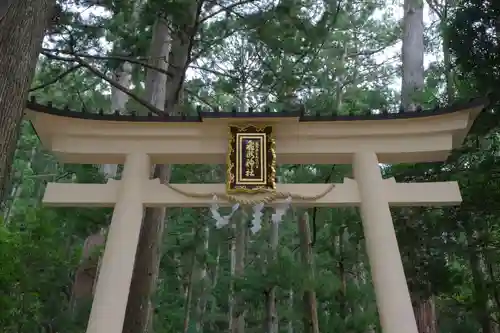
<point>473,37</point>
<point>251,54</point>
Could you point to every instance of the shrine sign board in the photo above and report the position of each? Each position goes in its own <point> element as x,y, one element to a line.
<point>251,159</point>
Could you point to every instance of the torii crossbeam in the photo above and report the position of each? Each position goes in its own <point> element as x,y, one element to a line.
<point>154,194</point>
<point>363,141</point>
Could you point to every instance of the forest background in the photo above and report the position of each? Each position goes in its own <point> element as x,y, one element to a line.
<point>307,274</point>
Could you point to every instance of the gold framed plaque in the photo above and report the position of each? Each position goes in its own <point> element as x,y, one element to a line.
<point>251,159</point>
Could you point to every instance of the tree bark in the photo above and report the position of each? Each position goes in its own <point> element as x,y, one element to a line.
<point>22,28</point>
<point>180,57</point>
<point>139,313</point>
<point>412,53</point>
<point>88,269</point>
<point>239,311</point>
<point>232,272</point>
<point>290,309</point>
<point>448,67</point>
<point>204,283</point>
<point>480,292</point>
<point>189,288</point>
<point>17,189</point>
<point>119,99</point>
<point>495,295</point>
<point>447,61</point>
<point>342,293</point>
<point>310,318</point>
<point>340,80</point>
<point>271,322</point>
<point>411,87</point>
<point>425,315</point>
<point>442,12</point>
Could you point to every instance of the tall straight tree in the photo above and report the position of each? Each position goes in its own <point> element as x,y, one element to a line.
<point>22,27</point>
<point>411,88</point>
<point>138,317</point>
<point>164,94</point>
<point>413,53</point>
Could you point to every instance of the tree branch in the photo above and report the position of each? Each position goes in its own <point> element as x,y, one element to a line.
<point>132,60</point>
<point>118,86</point>
<point>110,57</point>
<point>102,76</point>
<point>213,71</point>
<point>433,5</point>
<point>217,40</point>
<point>201,99</point>
<point>227,9</point>
<point>366,53</point>
<point>57,78</point>
<point>173,99</point>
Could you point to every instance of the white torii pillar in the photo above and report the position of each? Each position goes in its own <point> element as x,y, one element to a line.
<point>113,284</point>
<point>391,290</point>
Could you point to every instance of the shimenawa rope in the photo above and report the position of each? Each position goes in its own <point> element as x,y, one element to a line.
<point>270,196</point>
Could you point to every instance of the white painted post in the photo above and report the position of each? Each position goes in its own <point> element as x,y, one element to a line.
<point>111,294</point>
<point>393,298</point>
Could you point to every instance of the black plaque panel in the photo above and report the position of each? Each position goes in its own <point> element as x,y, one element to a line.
<point>251,159</point>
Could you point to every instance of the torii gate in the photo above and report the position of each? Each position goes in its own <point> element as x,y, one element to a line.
<point>291,138</point>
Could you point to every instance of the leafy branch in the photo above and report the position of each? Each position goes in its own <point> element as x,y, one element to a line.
<point>96,72</point>
<point>123,58</point>
<point>227,9</point>
<point>56,79</point>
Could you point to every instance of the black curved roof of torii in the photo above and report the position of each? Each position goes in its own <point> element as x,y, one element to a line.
<point>33,105</point>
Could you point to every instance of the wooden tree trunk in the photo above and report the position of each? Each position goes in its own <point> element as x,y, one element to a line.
<point>425,315</point>
<point>290,310</point>
<point>448,67</point>
<point>17,190</point>
<point>123,76</point>
<point>204,285</point>
<point>147,260</point>
<point>163,95</point>
<point>189,289</point>
<point>238,312</point>
<point>442,12</point>
<point>310,318</point>
<point>481,297</point>
<point>22,27</point>
<point>413,53</point>
<point>232,271</point>
<point>272,323</point>
<point>182,44</point>
<point>215,279</point>
<point>411,87</point>
<point>495,297</point>
<point>86,277</point>
<point>339,80</point>
<point>87,272</point>
<point>342,294</point>
<point>118,102</point>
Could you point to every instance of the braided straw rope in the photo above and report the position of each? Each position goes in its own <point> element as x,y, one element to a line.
<point>243,199</point>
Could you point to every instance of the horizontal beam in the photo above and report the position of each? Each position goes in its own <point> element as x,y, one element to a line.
<point>81,195</point>
<point>411,140</point>
<point>213,150</point>
<point>342,195</point>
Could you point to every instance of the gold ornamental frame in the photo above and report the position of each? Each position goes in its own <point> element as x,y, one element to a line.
<point>254,174</point>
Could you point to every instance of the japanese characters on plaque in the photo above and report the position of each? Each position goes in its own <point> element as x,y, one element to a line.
<point>251,160</point>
